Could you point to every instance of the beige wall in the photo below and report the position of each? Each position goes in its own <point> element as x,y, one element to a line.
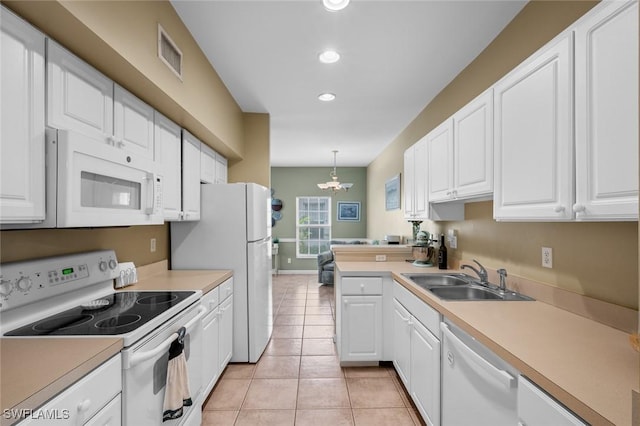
<point>131,244</point>
<point>596,259</point>
<point>256,165</point>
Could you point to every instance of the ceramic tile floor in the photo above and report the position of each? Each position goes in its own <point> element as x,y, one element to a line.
<point>298,380</point>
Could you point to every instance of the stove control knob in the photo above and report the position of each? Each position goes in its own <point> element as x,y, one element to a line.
<point>24,284</point>
<point>112,264</point>
<point>102,265</point>
<point>5,288</point>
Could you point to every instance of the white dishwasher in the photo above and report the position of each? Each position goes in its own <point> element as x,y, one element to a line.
<point>478,387</point>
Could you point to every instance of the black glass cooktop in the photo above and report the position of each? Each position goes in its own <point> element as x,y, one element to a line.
<point>118,313</point>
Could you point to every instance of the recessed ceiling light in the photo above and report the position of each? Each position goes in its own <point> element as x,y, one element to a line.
<point>334,5</point>
<point>329,57</point>
<point>327,97</point>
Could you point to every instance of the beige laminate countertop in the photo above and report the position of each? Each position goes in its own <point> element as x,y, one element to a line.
<point>589,367</point>
<point>34,370</point>
<point>176,280</point>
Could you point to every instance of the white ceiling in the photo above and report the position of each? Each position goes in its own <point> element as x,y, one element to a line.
<point>396,56</point>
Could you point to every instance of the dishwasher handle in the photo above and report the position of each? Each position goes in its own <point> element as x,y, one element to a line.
<point>503,377</point>
<point>139,357</point>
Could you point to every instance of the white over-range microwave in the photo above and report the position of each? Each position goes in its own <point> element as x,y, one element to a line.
<point>91,183</point>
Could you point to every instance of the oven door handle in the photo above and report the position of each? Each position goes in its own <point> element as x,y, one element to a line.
<point>138,357</point>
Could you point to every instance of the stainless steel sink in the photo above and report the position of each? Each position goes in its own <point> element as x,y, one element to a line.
<point>427,280</point>
<point>462,287</point>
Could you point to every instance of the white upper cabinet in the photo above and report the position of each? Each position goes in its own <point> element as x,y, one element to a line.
<point>607,113</point>
<point>533,119</point>
<point>168,155</point>
<point>190,176</point>
<point>221,169</point>
<point>473,148</point>
<point>78,96</point>
<point>440,162</point>
<point>133,124</point>
<point>22,136</point>
<point>416,205</point>
<point>207,164</point>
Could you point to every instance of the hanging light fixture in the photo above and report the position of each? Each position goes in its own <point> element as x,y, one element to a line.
<point>335,5</point>
<point>334,185</point>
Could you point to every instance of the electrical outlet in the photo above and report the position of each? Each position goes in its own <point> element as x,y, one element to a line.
<point>547,257</point>
<point>452,236</point>
<point>288,260</point>
<point>152,245</point>
<point>381,257</point>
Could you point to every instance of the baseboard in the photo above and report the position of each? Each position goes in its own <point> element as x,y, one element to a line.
<point>295,272</point>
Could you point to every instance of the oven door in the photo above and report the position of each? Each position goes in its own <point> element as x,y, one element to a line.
<point>145,371</point>
<point>104,185</point>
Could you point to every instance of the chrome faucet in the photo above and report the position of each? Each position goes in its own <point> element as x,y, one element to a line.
<point>503,280</point>
<point>482,273</point>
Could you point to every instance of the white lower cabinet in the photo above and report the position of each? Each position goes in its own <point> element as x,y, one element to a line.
<point>359,324</point>
<point>92,400</point>
<point>217,333</point>
<point>417,352</point>
<point>536,408</point>
<point>226,331</point>
<point>361,328</point>
<point>210,340</point>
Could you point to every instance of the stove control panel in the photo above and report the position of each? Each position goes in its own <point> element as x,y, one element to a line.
<point>33,280</point>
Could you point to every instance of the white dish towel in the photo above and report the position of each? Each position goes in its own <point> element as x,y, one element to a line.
<point>176,394</point>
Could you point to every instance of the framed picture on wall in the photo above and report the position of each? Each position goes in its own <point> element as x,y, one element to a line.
<point>392,193</point>
<point>349,211</point>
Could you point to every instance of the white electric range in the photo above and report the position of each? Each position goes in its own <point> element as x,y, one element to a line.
<point>73,296</point>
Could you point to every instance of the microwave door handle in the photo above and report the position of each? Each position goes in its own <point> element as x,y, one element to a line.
<point>139,357</point>
<point>151,193</point>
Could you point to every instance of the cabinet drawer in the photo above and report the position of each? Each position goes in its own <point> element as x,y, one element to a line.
<point>424,313</point>
<point>361,285</point>
<point>211,299</point>
<point>87,396</point>
<point>536,408</point>
<point>226,289</point>
<point>111,415</point>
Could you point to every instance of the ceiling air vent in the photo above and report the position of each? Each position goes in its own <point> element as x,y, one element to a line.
<point>169,53</point>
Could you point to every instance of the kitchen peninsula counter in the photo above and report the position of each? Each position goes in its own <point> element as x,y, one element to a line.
<point>589,367</point>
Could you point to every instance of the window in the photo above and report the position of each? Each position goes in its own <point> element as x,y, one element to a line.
<point>313,225</point>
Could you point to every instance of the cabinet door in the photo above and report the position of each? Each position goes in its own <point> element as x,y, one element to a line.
<point>420,184</point>
<point>207,164</point>
<point>361,328</point>
<point>226,332</point>
<point>409,170</point>
<point>473,147</point>
<point>133,124</point>
<point>22,138</point>
<point>221,169</point>
<point>190,177</point>
<point>402,342</point>
<point>440,168</point>
<point>168,154</point>
<point>607,114</point>
<point>425,373</point>
<point>533,120</point>
<point>78,96</point>
<point>210,349</point>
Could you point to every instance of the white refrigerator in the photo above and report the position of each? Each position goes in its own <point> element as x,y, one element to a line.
<point>234,232</point>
